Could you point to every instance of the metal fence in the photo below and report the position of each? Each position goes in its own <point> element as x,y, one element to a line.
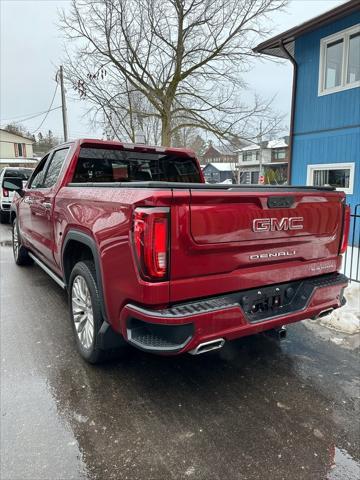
<point>352,254</point>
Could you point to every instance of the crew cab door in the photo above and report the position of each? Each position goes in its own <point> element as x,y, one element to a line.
<point>30,192</point>
<point>36,214</point>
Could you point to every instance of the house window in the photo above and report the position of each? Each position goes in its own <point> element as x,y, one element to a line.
<point>333,64</point>
<point>250,156</point>
<point>20,149</point>
<point>340,61</point>
<point>353,71</point>
<point>339,175</point>
<point>247,156</point>
<point>279,154</point>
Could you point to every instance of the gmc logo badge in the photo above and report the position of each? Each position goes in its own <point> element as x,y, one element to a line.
<point>277,224</point>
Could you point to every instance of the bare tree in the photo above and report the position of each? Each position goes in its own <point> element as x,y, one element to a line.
<point>129,116</point>
<point>182,59</point>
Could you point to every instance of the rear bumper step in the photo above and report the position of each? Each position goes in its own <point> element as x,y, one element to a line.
<point>158,338</point>
<point>190,326</point>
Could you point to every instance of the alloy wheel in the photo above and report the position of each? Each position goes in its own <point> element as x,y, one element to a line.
<point>82,311</point>
<point>15,241</point>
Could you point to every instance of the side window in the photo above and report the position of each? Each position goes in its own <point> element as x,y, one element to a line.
<point>338,175</point>
<point>54,168</point>
<point>340,61</point>
<point>38,175</point>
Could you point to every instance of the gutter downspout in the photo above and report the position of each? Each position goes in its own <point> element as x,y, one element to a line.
<point>293,101</point>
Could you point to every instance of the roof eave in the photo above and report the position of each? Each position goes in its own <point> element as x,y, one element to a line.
<point>17,134</point>
<point>287,38</point>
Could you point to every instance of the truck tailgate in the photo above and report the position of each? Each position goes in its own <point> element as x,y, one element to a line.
<point>239,239</point>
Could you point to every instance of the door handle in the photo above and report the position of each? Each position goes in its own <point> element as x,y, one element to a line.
<point>47,205</point>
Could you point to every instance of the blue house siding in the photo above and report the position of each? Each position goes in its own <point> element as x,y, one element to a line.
<point>327,127</point>
<point>339,146</point>
<point>313,112</point>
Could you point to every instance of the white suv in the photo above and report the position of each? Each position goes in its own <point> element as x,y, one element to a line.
<point>5,195</point>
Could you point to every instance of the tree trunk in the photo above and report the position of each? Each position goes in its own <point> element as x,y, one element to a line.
<point>166,130</point>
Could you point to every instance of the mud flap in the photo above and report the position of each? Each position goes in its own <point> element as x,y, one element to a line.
<point>108,339</point>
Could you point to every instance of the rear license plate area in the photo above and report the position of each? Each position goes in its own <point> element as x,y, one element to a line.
<point>263,303</point>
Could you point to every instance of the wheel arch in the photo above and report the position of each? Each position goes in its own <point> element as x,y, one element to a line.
<point>71,254</point>
<point>13,214</point>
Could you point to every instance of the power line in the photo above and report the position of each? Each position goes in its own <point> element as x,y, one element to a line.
<point>47,112</point>
<point>28,116</point>
<point>39,115</point>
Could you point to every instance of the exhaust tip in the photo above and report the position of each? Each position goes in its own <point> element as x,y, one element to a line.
<point>208,346</point>
<point>282,333</point>
<point>324,313</point>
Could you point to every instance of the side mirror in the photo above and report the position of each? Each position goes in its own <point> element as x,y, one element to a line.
<point>13,185</point>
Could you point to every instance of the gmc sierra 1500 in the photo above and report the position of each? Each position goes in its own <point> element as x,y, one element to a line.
<point>151,254</point>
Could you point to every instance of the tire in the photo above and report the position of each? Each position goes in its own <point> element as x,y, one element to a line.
<point>85,311</point>
<point>4,217</point>
<point>21,255</point>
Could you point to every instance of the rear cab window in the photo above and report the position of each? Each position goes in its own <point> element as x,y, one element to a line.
<point>113,165</point>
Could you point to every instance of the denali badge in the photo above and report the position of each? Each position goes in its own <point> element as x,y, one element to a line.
<point>286,253</point>
<point>273,224</point>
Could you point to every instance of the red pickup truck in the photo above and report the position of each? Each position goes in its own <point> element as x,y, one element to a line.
<point>151,254</point>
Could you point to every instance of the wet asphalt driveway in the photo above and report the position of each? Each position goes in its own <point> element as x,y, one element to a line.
<point>258,409</point>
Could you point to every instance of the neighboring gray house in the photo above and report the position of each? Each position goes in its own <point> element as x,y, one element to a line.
<point>274,162</point>
<point>219,172</point>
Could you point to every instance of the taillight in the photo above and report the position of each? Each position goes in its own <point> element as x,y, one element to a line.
<point>5,192</point>
<point>346,230</point>
<point>151,235</point>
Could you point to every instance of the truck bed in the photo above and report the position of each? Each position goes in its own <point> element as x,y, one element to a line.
<point>203,186</point>
<point>213,239</point>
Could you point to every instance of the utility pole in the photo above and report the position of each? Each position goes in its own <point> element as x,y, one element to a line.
<point>260,153</point>
<point>63,103</point>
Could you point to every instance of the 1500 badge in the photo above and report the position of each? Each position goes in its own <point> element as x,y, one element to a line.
<point>326,266</point>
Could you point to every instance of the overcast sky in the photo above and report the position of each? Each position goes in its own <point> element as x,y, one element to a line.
<point>31,50</point>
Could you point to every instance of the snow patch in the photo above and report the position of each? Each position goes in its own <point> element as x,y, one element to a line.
<point>347,318</point>
<point>80,418</point>
<point>190,471</point>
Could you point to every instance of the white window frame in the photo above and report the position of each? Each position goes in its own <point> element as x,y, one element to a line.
<point>332,166</point>
<point>345,36</point>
